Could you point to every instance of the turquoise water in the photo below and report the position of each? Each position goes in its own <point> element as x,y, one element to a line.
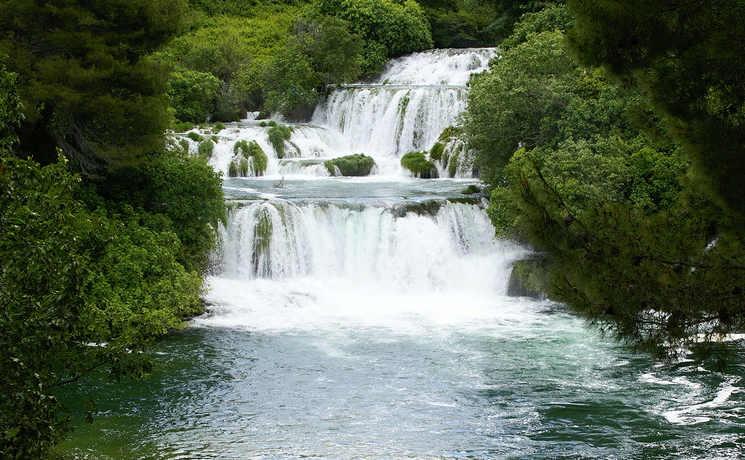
<point>335,361</point>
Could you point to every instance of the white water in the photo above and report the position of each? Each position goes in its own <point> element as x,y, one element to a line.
<point>405,109</point>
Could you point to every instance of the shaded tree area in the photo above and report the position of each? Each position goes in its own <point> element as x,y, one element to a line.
<point>687,57</point>
<point>589,171</point>
<point>104,234</point>
<point>82,79</point>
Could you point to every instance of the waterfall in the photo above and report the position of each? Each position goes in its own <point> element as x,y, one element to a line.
<point>302,247</point>
<point>451,249</point>
<point>405,109</point>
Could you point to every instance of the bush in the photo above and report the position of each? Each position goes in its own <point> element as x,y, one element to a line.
<point>351,165</point>
<point>278,134</point>
<point>419,165</point>
<point>471,190</point>
<point>183,127</point>
<point>195,136</point>
<point>206,148</point>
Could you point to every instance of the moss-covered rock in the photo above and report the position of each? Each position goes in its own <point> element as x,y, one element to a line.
<point>528,279</point>
<point>205,149</point>
<point>350,165</point>
<point>249,156</point>
<point>194,136</point>
<point>419,165</point>
<point>260,159</point>
<point>278,134</point>
<point>435,152</point>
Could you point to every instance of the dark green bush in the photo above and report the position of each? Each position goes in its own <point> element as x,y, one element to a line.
<point>351,165</point>
<point>419,165</point>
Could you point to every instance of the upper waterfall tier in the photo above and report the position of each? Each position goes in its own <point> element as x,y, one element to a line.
<point>437,67</point>
<point>406,109</point>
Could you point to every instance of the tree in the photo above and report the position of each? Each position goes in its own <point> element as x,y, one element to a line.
<point>192,94</point>
<point>588,175</point>
<point>687,58</point>
<point>80,290</point>
<point>82,81</point>
<point>388,28</point>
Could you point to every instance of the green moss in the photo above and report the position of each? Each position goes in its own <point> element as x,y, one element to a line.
<point>243,167</point>
<point>218,127</point>
<point>453,165</point>
<point>206,148</point>
<point>351,165</point>
<point>436,152</point>
<point>278,134</point>
<point>471,190</point>
<point>419,165</point>
<point>233,169</point>
<point>194,136</point>
<point>448,133</point>
<point>262,241</point>
<point>242,147</point>
<point>260,159</point>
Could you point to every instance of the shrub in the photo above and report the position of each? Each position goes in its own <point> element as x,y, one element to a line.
<point>351,165</point>
<point>278,134</point>
<point>419,165</point>
<point>206,148</point>
<point>194,136</point>
<point>471,189</point>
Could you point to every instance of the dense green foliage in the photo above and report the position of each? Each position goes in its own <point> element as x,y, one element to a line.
<point>585,171</point>
<point>92,267</point>
<point>280,57</point>
<point>687,57</point>
<point>387,28</point>
<point>192,94</point>
<point>80,289</point>
<point>350,165</point>
<point>82,78</point>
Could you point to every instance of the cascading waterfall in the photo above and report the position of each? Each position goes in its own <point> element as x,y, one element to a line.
<point>452,249</point>
<point>405,109</point>
<point>366,317</point>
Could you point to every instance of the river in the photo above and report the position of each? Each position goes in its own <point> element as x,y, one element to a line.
<point>368,318</point>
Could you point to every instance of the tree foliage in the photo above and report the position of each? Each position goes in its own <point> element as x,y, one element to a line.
<point>582,169</point>
<point>80,289</point>
<point>82,80</point>
<point>687,58</point>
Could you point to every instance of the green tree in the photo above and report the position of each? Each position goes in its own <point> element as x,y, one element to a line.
<point>192,94</point>
<point>521,101</point>
<point>687,58</point>
<point>82,80</point>
<point>582,170</point>
<point>388,28</point>
<point>79,290</point>
<point>185,190</point>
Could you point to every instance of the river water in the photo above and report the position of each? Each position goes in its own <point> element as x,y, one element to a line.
<point>368,318</point>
